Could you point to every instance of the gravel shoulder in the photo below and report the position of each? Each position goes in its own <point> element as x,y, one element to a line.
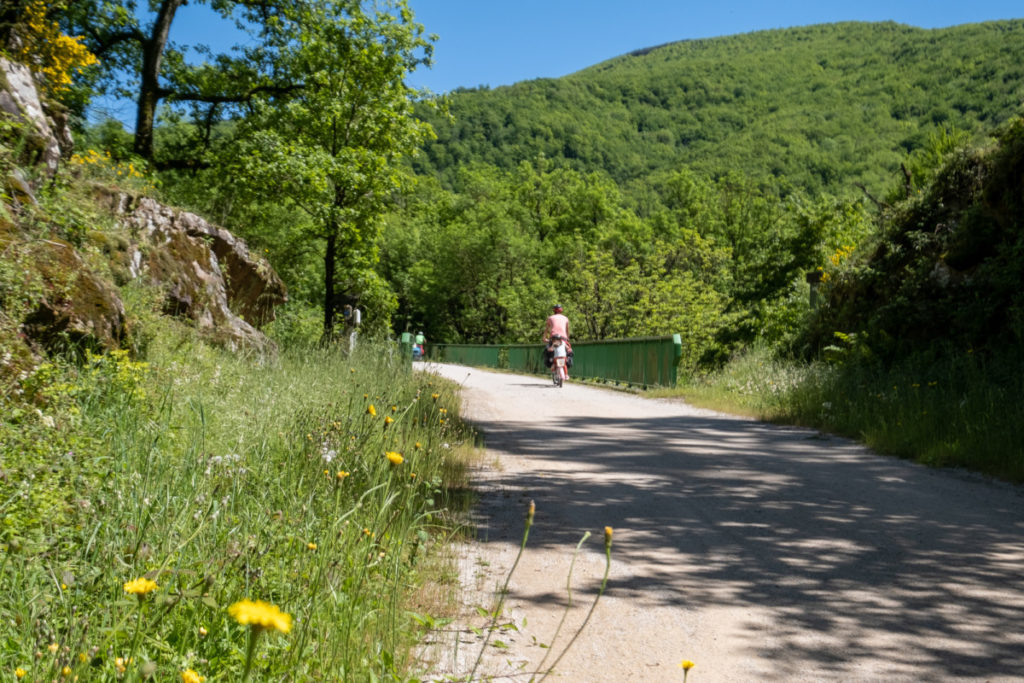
<point>757,551</point>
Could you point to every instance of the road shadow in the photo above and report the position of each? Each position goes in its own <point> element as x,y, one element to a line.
<point>842,542</point>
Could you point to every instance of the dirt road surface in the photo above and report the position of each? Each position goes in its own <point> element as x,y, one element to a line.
<point>759,552</point>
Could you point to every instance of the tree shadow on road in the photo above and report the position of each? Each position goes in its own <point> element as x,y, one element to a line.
<point>879,557</point>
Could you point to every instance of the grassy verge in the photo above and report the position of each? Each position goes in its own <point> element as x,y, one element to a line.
<point>952,410</point>
<point>316,483</point>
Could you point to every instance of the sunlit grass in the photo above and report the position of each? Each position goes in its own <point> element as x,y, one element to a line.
<point>199,480</point>
<point>947,410</point>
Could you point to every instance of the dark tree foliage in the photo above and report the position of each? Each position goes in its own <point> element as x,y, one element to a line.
<point>140,63</point>
<point>948,267</point>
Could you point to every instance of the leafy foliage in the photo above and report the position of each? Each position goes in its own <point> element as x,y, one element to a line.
<point>948,265</point>
<point>818,107</point>
<point>50,53</point>
<point>714,260</point>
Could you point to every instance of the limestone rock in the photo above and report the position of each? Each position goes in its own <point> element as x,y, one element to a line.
<point>208,274</point>
<point>20,100</point>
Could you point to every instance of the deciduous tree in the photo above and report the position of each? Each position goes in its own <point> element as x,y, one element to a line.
<point>333,147</point>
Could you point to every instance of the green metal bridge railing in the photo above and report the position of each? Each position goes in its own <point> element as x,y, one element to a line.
<point>643,361</point>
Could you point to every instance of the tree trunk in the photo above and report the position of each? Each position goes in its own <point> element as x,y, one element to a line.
<point>149,93</point>
<point>329,261</point>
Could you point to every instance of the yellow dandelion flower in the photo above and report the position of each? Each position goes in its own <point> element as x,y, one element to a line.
<point>20,673</point>
<point>394,409</point>
<point>395,458</point>
<point>311,546</point>
<point>259,614</point>
<point>327,473</point>
<point>53,647</point>
<point>388,420</point>
<point>371,410</point>
<point>351,369</point>
<point>202,631</point>
<point>342,474</point>
<point>418,446</point>
<point>66,671</point>
<point>190,676</point>
<point>140,586</point>
<point>686,665</point>
<point>435,396</point>
<point>82,657</point>
<point>412,476</point>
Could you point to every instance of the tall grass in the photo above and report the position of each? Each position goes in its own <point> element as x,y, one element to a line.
<point>311,481</point>
<point>946,409</point>
<point>962,410</point>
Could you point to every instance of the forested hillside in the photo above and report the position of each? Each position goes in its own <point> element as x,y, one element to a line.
<point>820,107</point>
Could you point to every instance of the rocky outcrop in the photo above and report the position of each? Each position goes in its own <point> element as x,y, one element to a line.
<point>208,275</point>
<point>78,308</point>
<point>49,139</point>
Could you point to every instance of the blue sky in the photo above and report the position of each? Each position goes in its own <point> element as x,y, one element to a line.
<point>484,42</point>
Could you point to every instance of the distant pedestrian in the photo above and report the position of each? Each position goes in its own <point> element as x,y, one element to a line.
<point>419,345</point>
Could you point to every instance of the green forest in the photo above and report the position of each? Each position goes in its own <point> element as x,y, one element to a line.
<point>689,187</point>
<point>831,217</point>
<point>702,187</point>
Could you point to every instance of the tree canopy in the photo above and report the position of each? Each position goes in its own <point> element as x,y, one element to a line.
<point>819,107</point>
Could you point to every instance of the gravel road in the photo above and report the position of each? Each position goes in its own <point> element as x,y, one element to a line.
<point>759,552</point>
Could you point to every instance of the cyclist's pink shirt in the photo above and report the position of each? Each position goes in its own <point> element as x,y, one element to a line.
<point>557,324</point>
